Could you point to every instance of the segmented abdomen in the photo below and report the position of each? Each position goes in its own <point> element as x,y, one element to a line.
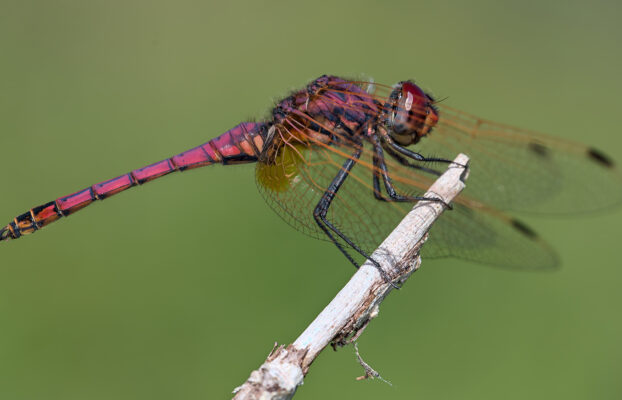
<point>241,144</point>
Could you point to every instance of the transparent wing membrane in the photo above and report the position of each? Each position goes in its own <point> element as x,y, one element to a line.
<point>518,170</point>
<point>511,169</point>
<point>297,176</point>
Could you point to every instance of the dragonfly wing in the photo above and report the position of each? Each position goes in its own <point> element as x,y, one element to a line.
<point>296,176</point>
<point>519,170</point>
<point>473,230</point>
<point>487,237</point>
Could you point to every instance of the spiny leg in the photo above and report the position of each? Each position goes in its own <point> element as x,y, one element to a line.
<point>321,209</point>
<point>380,169</point>
<point>388,140</point>
<point>402,160</point>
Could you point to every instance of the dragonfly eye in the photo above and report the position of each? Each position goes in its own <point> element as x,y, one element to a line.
<point>413,114</point>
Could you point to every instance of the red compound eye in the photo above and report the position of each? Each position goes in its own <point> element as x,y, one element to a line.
<point>413,97</point>
<point>413,115</point>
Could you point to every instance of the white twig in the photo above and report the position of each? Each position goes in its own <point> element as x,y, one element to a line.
<point>347,315</point>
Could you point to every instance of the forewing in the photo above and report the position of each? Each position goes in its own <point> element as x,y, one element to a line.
<point>519,170</point>
<point>296,177</point>
<point>474,231</point>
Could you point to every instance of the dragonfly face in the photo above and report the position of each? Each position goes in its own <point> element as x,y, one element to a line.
<point>412,114</point>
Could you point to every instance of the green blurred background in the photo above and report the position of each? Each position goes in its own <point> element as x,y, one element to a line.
<point>177,290</point>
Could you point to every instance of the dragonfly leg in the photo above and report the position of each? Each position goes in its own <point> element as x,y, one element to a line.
<point>321,209</point>
<point>402,160</point>
<point>380,169</point>
<point>386,138</point>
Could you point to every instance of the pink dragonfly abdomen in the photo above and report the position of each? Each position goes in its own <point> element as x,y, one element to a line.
<point>241,144</point>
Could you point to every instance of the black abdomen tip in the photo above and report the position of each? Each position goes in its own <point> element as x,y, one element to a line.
<point>4,233</point>
<point>600,158</point>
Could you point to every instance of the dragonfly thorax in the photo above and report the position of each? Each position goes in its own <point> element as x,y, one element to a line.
<point>330,110</point>
<point>411,113</point>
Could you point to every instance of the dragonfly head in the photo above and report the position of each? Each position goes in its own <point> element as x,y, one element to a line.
<point>412,114</point>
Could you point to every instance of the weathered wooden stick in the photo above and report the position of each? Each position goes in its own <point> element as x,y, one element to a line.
<point>347,315</point>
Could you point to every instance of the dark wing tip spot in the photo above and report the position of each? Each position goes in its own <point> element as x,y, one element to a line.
<point>600,158</point>
<point>524,229</point>
<point>539,149</point>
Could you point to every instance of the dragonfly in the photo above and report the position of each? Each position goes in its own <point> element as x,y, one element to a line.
<point>344,161</point>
